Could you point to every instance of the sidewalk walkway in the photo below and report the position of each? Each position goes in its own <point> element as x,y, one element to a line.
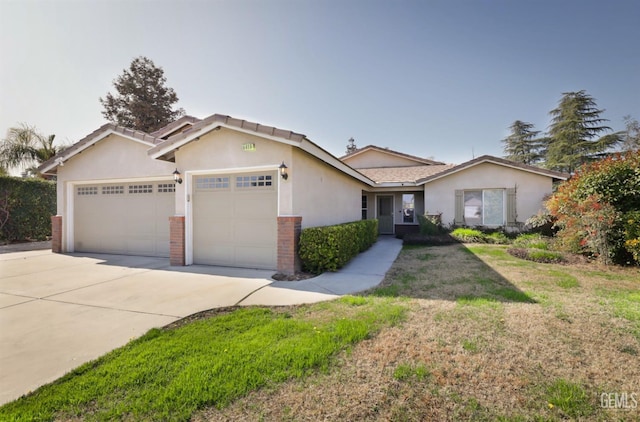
<point>365,271</point>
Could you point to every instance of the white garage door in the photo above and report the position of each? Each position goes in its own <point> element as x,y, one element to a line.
<point>124,218</point>
<point>235,220</point>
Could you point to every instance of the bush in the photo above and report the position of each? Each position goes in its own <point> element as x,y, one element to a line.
<point>592,206</point>
<point>430,224</point>
<point>468,235</point>
<point>532,241</point>
<point>537,255</point>
<point>331,247</point>
<point>26,207</point>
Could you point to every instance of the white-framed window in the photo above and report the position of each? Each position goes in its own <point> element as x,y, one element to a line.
<point>166,187</point>
<point>408,208</point>
<point>140,189</point>
<point>484,207</point>
<point>212,182</point>
<point>87,190</point>
<point>112,190</point>
<point>257,181</point>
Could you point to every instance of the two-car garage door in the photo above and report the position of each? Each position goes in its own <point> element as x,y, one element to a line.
<point>235,220</point>
<point>124,218</point>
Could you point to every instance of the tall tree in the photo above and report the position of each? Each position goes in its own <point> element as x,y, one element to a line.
<point>143,101</point>
<point>25,147</point>
<point>523,144</point>
<point>574,134</point>
<point>631,134</point>
<point>351,146</point>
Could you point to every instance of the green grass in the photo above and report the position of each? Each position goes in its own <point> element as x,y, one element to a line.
<point>564,280</point>
<point>406,371</point>
<point>625,304</point>
<point>569,397</point>
<point>168,374</point>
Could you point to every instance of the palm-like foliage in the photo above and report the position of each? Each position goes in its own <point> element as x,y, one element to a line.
<point>25,147</point>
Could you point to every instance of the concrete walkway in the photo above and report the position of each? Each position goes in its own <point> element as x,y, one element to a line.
<point>59,311</point>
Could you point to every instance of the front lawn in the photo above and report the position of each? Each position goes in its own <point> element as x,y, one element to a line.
<point>453,333</point>
<point>489,337</point>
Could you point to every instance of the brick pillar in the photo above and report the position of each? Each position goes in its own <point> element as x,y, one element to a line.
<point>176,241</point>
<point>288,239</point>
<point>56,233</point>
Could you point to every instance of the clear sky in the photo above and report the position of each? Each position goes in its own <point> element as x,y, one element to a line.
<point>441,79</point>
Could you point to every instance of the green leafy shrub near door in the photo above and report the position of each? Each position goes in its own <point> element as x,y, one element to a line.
<point>329,248</point>
<point>26,207</point>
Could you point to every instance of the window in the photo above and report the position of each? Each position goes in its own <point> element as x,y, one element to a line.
<point>166,187</point>
<point>140,188</point>
<point>212,183</point>
<point>253,181</point>
<point>484,207</point>
<point>112,190</point>
<point>364,207</point>
<point>87,190</point>
<point>408,208</point>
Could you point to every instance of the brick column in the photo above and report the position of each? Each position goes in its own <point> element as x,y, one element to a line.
<point>288,239</point>
<point>56,233</point>
<point>176,240</point>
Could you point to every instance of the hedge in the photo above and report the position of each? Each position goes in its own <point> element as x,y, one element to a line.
<point>26,207</point>
<point>331,247</point>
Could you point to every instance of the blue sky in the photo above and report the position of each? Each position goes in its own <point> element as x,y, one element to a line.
<point>441,79</point>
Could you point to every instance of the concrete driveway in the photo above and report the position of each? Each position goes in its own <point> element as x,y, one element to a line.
<point>60,311</point>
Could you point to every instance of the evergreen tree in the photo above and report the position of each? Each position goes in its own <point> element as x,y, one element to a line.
<point>351,146</point>
<point>523,144</point>
<point>143,101</point>
<point>574,133</point>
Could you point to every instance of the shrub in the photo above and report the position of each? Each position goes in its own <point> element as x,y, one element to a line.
<point>537,255</point>
<point>591,207</point>
<point>469,235</point>
<point>430,224</point>
<point>531,241</point>
<point>331,247</point>
<point>26,207</point>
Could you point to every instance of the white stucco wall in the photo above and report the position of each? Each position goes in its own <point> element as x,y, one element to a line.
<point>531,189</point>
<point>222,151</point>
<point>373,159</point>
<point>321,194</point>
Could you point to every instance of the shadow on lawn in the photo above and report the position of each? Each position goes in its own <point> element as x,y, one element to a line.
<point>454,272</point>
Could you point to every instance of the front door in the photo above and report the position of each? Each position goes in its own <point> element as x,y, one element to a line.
<point>385,214</point>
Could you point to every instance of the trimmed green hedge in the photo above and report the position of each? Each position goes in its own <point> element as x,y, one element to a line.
<point>26,207</point>
<point>331,247</point>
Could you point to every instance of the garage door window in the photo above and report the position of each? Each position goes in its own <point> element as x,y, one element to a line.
<point>166,187</point>
<point>112,190</point>
<point>140,188</point>
<point>87,190</point>
<point>212,183</point>
<point>257,181</point>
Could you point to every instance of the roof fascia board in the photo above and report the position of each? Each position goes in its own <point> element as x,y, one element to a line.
<point>463,167</point>
<point>74,151</point>
<point>159,150</point>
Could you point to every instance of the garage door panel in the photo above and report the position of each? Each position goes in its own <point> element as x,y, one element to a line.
<point>126,218</point>
<point>235,223</point>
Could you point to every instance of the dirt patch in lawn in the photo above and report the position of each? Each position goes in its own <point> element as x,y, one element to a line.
<point>488,336</point>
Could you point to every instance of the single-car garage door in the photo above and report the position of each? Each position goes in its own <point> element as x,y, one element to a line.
<point>235,220</point>
<point>124,218</point>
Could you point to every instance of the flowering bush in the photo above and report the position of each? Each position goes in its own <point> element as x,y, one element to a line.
<point>596,210</point>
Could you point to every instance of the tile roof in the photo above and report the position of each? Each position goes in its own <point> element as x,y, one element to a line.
<point>499,161</point>
<point>403,174</point>
<point>389,151</point>
<point>163,131</point>
<point>67,153</point>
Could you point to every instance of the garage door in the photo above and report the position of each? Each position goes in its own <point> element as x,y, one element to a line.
<point>124,218</point>
<point>235,220</point>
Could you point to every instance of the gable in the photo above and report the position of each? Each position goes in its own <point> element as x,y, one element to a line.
<point>113,157</point>
<point>376,159</point>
